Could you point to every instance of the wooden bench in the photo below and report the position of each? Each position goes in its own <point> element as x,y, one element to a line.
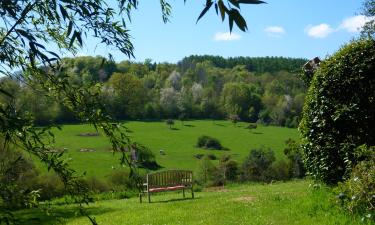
<point>169,180</point>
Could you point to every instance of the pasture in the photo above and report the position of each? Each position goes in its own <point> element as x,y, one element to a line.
<point>92,154</point>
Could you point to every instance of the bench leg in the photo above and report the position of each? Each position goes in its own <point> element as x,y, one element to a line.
<point>183,192</point>
<point>192,192</point>
<point>149,198</point>
<point>140,197</point>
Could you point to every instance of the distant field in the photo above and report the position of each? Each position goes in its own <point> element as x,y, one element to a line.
<point>178,144</point>
<point>290,203</point>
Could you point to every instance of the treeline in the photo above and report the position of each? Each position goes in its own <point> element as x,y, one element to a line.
<point>264,89</point>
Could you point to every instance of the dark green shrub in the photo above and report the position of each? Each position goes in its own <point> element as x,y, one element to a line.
<point>170,123</point>
<point>339,111</point>
<point>256,165</point>
<point>295,163</point>
<point>96,185</point>
<point>252,126</point>
<point>198,156</point>
<point>357,194</point>
<point>228,169</point>
<point>50,186</point>
<point>120,180</point>
<point>209,143</point>
<point>17,175</point>
<point>279,170</point>
<point>206,173</point>
<point>143,157</point>
<point>211,157</point>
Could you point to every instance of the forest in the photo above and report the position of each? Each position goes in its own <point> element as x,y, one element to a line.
<point>267,90</point>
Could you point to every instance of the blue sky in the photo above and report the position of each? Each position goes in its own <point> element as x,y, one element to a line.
<point>289,28</point>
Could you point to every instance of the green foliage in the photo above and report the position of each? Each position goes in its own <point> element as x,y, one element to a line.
<point>256,165</point>
<point>368,30</point>
<point>357,193</point>
<point>294,154</point>
<point>170,123</point>
<point>208,142</point>
<point>339,112</point>
<point>206,172</point>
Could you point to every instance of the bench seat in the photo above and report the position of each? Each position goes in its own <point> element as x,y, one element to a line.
<point>169,180</point>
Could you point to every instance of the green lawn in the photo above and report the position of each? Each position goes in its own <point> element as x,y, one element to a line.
<point>178,144</point>
<point>293,202</point>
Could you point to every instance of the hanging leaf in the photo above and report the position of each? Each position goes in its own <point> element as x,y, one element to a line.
<point>250,2</point>
<point>204,11</point>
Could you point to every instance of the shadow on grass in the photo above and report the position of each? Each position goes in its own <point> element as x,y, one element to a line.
<point>56,215</point>
<point>173,128</point>
<point>174,200</point>
<point>189,125</point>
<point>220,125</point>
<point>257,133</point>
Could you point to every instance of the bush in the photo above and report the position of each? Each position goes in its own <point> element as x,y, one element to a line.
<point>295,163</point>
<point>279,170</point>
<point>121,180</point>
<point>256,165</point>
<point>198,156</point>
<point>339,111</point>
<point>206,173</point>
<point>252,126</point>
<point>211,157</point>
<point>209,143</point>
<point>170,123</point>
<point>357,194</point>
<point>50,186</point>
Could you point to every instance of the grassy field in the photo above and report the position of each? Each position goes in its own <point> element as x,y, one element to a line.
<point>178,143</point>
<point>294,202</point>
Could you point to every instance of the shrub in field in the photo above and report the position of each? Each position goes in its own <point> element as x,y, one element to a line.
<point>357,194</point>
<point>120,180</point>
<point>17,174</point>
<point>339,111</point>
<point>295,163</point>
<point>209,143</point>
<point>206,172</point>
<point>256,165</point>
<point>50,186</point>
<point>170,123</point>
<point>211,157</point>
<point>252,126</point>
<point>279,170</point>
<point>228,168</point>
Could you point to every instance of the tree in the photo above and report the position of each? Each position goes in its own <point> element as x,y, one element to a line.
<point>170,123</point>
<point>27,26</point>
<point>127,95</point>
<point>339,111</point>
<point>369,11</point>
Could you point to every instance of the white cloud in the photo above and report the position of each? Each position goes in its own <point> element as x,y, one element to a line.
<point>355,23</point>
<point>275,31</point>
<point>227,36</point>
<point>319,31</point>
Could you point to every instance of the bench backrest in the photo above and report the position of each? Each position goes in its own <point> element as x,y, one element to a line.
<point>169,178</point>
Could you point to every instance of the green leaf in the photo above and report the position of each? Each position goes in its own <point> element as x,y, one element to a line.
<point>238,19</point>
<point>235,3</point>
<point>204,11</point>
<point>223,9</point>
<point>250,2</point>
<point>64,13</point>
<point>70,26</point>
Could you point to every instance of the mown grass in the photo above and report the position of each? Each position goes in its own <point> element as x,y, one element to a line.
<point>178,143</point>
<point>294,202</point>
